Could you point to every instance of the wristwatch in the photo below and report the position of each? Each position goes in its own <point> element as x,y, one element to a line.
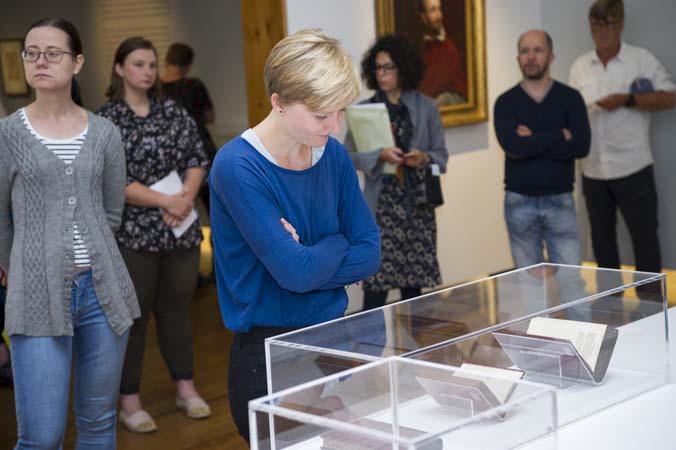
<point>630,101</point>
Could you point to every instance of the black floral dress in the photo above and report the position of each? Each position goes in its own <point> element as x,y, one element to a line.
<point>165,140</point>
<point>407,226</point>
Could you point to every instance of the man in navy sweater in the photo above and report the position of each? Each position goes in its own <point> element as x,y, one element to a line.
<point>542,125</point>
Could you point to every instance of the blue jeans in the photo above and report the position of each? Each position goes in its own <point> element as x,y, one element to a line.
<point>548,221</point>
<point>42,366</point>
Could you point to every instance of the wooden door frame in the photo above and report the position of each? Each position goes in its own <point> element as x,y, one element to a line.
<point>263,25</point>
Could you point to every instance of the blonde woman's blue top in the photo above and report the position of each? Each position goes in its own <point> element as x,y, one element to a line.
<point>265,277</point>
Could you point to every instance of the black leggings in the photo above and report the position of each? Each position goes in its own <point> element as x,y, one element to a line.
<point>376,299</point>
<point>3,293</point>
<point>247,378</point>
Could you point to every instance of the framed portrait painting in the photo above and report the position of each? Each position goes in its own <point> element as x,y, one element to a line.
<point>11,65</point>
<point>451,37</point>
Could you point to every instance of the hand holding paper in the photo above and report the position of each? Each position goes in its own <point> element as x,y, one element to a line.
<point>179,205</point>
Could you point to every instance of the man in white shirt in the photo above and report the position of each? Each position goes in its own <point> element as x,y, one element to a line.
<point>621,84</point>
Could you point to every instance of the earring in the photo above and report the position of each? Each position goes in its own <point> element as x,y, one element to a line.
<point>281,111</point>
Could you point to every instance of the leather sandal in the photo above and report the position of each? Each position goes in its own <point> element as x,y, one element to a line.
<point>194,407</point>
<point>138,422</point>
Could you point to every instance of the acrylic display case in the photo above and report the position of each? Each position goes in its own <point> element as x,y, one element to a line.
<point>598,336</point>
<point>404,404</point>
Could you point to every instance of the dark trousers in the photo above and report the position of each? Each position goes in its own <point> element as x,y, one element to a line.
<point>165,284</point>
<point>636,197</point>
<point>376,299</point>
<point>204,196</point>
<point>247,379</point>
<point>3,293</point>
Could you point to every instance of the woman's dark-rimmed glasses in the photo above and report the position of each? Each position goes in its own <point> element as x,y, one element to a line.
<point>386,68</point>
<point>51,56</point>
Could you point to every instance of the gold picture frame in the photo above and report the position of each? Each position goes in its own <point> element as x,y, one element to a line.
<point>11,65</point>
<point>400,17</point>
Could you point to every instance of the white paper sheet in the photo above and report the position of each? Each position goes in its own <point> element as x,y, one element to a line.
<point>371,129</point>
<point>170,185</point>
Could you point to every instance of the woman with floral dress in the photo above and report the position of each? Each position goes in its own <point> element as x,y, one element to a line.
<point>160,140</point>
<point>394,69</point>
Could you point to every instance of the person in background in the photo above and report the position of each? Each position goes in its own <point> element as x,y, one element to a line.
<point>621,85</point>
<point>70,300</point>
<point>5,361</point>
<point>5,364</point>
<point>192,94</point>
<point>160,139</point>
<point>543,128</point>
<point>393,68</point>
<point>290,225</point>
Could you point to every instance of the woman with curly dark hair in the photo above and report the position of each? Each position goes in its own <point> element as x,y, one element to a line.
<point>394,68</point>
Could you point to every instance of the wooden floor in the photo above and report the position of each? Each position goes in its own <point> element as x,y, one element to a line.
<point>177,432</point>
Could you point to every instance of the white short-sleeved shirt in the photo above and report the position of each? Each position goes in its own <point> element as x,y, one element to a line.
<point>620,139</point>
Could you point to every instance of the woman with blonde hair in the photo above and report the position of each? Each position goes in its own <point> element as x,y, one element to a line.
<point>290,225</point>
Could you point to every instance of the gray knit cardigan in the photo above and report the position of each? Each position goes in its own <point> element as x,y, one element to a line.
<point>44,196</point>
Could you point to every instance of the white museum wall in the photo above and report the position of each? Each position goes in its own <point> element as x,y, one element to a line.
<point>472,238</point>
<point>214,30</point>
<point>649,24</point>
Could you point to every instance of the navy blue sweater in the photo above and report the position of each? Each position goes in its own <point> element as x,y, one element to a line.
<point>544,163</point>
<point>265,277</point>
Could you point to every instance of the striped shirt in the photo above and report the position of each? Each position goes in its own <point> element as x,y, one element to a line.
<point>66,150</point>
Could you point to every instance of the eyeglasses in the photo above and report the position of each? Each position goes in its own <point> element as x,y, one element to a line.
<point>598,25</point>
<point>51,56</point>
<point>386,68</point>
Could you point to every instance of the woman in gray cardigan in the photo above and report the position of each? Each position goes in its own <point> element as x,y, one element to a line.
<point>62,178</point>
<point>393,68</point>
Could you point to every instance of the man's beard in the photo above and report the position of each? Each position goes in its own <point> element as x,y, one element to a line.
<point>435,32</point>
<point>537,75</point>
<point>432,29</point>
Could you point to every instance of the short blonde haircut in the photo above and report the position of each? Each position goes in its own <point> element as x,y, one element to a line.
<point>311,68</point>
